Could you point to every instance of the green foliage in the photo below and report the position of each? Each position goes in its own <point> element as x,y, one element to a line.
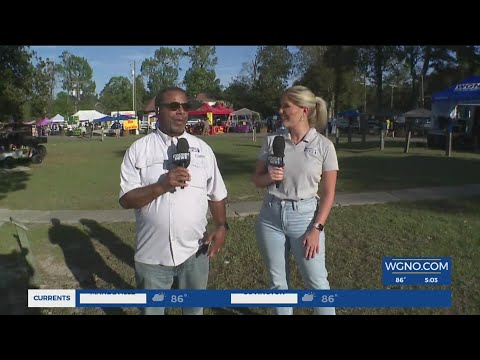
<point>43,82</point>
<point>199,80</point>
<point>77,77</point>
<point>117,94</point>
<point>201,76</point>
<point>274,70</point>
<point>15,80</point>
<point>239,94</point>
<point>162,70</point>
<point>63,104</point>
<point>140,94</point>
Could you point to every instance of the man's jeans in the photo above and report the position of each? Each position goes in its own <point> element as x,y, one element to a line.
<point>281,226</point>
<point>192,274</point>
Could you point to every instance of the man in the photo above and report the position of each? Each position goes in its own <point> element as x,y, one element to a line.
<point>171,203</point>
<point>206,127</point>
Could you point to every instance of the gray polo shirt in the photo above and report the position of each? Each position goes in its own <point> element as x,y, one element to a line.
<point>304,164</point>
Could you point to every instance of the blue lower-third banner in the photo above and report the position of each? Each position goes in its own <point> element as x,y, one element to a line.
<point>240,298</point>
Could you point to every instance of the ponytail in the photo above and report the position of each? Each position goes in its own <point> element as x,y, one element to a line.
<point>321,115</point>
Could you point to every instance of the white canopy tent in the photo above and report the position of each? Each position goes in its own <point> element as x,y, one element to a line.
<point>57,119</point>
<point>88,115</point>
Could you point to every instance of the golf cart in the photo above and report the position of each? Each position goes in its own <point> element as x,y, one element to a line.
<point>20,144</point>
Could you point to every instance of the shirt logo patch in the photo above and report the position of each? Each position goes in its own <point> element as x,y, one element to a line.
<point>311,151</point>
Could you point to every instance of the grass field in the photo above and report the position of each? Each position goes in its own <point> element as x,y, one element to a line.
<point>93,255</point>
<point>84,173</point>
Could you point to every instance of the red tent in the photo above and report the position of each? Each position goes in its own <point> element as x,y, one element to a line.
<point>222,110</point>
<point>203,110</point>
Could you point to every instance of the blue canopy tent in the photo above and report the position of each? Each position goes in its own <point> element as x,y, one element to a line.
<point>466,92</point>
<point>105,119</point>
<point>459,102</point>
<point>121,117</point>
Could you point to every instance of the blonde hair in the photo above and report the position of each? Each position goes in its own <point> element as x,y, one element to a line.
<point>304,97</point>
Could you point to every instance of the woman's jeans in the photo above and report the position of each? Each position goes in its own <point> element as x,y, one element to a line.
<point>281,227</point>
<point>192,274</point>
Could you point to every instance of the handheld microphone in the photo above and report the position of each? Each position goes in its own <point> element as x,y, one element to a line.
<point>182,156</point>
<point>278,153</point>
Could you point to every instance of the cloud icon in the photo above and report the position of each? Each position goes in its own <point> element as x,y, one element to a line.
<point>158,297</point>
<point>308,297</point>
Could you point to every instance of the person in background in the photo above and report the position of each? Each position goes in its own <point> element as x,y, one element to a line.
<point>293,217</point>
<point>206,127</point>
<point>171,203</point>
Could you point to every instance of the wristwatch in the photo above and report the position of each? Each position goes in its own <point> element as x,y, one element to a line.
<point>318,226</point>
<point>225,225</point>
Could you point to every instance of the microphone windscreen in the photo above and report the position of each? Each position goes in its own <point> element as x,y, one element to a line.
<point>182,146</point>
<point>182,156</point>
<point>279,146</point>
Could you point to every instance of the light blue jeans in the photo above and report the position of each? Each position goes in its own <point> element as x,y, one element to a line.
<point>192,274</point>
<point>281,226</point>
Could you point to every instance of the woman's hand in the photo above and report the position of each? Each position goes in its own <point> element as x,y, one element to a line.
<point>276,173</point>
<point>311,243</point>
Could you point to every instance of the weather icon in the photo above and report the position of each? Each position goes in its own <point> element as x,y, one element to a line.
<point>158,297</point>
<point>308,297</point>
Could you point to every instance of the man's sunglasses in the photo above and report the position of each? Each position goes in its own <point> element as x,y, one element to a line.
<point>174,106</point>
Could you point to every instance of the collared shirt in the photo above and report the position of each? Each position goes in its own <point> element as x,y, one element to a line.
<point>170,228</point>
<point>304,164</point>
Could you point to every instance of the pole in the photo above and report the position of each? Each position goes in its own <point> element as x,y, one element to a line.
<point>423,97</point>
<point>391,99</point>
<point>364,83</point>
<point>365,93</point>
<point>133,89</point>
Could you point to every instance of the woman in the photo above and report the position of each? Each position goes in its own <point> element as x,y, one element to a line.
<point>292,215</point>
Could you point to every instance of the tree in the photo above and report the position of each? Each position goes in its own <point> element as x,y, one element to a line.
<point>63,104</point>
<point>15,83</point>
<point>117,94</point>
<point>43,86</point>
<point>161,70</point>
<point>240,90</point>
<point>274,69</point>
<point>381,61</point>
<point>77,77</point>
<point>141,96</point>
<point>201,76</point>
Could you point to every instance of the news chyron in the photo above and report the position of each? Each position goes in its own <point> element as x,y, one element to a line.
<point>51,298</point>
<point>427,271</point>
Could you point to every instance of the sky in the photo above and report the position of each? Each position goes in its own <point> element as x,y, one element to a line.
<point>109,61</point>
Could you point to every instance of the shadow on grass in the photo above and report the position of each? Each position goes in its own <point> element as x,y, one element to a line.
<point>12,180</point>
<point>15,280</point>
<point>112,242</point>
<point>357,146</point>
<point>455,207</point>
<point>377,172</point>
<point>232,165</point>
<point>249,145</point>
<point>85,263</point>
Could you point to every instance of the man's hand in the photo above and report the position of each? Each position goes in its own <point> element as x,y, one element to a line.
<point>216,239</point>
<point>175,178</point>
